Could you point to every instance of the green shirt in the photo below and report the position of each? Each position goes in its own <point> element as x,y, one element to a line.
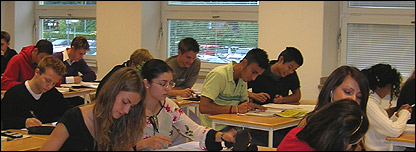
<point>220,87</point>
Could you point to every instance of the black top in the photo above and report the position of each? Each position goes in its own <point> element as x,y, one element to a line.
<point>271,84</point>
<point>407,96</point>
<point>6,58</point>
<point>18,102</point>
<point>117,67</point>
<point>80,139</point>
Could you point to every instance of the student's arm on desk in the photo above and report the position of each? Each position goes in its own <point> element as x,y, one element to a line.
<point>56,139</point>
<point>207,106</point>
<point>187,92</point>
<point>295,97</point>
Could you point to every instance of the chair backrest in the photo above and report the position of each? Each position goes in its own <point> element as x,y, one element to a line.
<point>92,96</point>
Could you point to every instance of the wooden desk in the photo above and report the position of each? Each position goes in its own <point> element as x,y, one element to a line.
<point>269,124</point>
<point>186,104</point>
<point>83,92</point>
<point>33,143</point>
<point>406,140</point>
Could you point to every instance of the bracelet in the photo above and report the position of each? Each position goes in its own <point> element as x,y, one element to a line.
<point>231,110</point>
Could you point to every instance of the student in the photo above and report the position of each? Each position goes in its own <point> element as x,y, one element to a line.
<point>114,121</point>
<point>73,59</point>
<point>22,66</point>
<point>274,84</point>
<point>343,83</point>
<point>383,80</point>
<point>137,59</point>
<point>273,87</point>
<point>6,52</point>
<point>407,96</point>
<point>225,87</point>
<point>185,67</point>
<point>163,115</point>
<point>36,101</point>
<point>337,126</point>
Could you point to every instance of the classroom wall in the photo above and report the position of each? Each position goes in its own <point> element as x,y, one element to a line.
<point>301,25</point>
<point>121,31</point>
<point>17,18</point>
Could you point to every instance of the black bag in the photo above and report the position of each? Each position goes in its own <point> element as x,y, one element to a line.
<point>42,130</point>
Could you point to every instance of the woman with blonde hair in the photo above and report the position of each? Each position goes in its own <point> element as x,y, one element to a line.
<point>114,121</point>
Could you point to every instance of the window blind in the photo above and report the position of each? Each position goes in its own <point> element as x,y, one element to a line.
<point>370,44</point>
<point>383,4</point>
<point>217,39</point>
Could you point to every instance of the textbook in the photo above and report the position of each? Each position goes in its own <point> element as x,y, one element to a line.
<point>292,113</point>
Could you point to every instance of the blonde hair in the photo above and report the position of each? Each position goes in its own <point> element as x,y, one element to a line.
<point>54,63</point>
<point>122,133</point>
<point>140,56</point>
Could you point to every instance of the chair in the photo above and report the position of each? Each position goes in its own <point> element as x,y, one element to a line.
<point>92,96</point>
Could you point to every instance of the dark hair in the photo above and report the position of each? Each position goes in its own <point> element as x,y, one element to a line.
<point>258,56</point>
<point>188,44</point>
<point>44,46</point>
<point>5,36</point>
<point>336,78</point>
<point>291,54</point>
<point>80,42</point>
<point>335,126</point>
<point>153,68</point>
<point>380,75</point>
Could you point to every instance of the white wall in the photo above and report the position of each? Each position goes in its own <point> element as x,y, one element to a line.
<point>119,33</point>
<point>123,27</point>
<point>7,19</point>
<point>298,24</point>
<point>150,28</point>
<point>17,18</point>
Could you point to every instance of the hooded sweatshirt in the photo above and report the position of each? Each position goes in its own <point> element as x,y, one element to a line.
<point>20,68</point>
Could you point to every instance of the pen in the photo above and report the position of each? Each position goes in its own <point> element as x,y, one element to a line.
<point>413,105</point>
<point>32,113</point>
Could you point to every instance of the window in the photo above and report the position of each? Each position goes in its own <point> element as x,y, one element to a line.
<point>61,21</point>
<point>378,32</point>
<point>220,27</point>
<point>220,41</point>
<point>61,32</point>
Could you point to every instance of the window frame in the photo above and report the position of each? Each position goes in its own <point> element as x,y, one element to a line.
<point>384,16</point>
<point>80,12</point>
<point>214,13</point>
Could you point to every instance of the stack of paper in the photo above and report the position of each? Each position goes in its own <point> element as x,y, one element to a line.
<point>410,128</point>
<point>267,113</point>
<point>90,84</point>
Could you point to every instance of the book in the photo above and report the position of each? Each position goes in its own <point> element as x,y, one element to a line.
<point>292,113</point>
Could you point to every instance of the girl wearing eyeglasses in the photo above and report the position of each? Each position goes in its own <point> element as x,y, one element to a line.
<point>163,115</point>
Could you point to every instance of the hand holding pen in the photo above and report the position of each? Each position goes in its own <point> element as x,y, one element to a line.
<point>405,107</point>
<point>32,122</point>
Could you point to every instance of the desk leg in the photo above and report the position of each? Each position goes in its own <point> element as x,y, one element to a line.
<point>197,111</point>
<point>213,124</point>
<point>271,138</point>
<point>390,146</point>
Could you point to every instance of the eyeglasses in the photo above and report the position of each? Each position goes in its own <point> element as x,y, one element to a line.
<point>166,85</point>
